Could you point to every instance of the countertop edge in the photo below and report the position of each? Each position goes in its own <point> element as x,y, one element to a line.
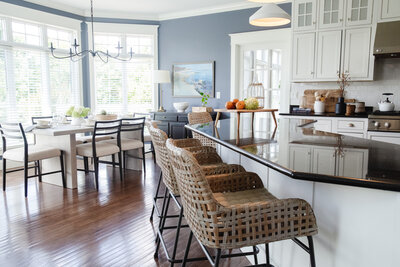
<point>371,184</point>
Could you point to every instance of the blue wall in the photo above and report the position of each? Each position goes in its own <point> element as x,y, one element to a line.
<point>203,38</point>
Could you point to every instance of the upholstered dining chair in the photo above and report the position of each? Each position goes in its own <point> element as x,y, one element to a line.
<point>210,163</point>
<point>97,150</point>
<point>130,127</point>
<point>224,219</point>
<point>27,153</point>
<point>197,118</point>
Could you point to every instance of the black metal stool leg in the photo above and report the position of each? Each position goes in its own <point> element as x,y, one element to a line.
<point>267,254</point>
<point>187,249</point>
<point>156,197</point>
<point>217,258</point>
<point>255,255</point>
<point>63,170</point>
<point>162,226</point>
<point>311,248</point>
<point>177,236</point>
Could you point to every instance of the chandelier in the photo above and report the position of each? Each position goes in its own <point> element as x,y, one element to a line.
<point>74,55</point>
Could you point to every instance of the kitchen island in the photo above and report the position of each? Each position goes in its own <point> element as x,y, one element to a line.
<point>352,184</point>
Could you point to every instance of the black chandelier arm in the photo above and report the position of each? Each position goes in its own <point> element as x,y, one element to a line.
<point>115,57</point>
<point>58,57</point>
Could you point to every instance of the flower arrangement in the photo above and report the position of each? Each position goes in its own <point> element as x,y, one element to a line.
<point>78,112</point>
<point>251,103</point>
<point>321,97</point>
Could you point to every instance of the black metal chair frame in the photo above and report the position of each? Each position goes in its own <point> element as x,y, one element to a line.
<point>214,260</point>
<point>152,151</point>
<point>16,131</point>
<point>160,240</point>
<point>101,130</point>
<point>155,198</point>
<point>136,124</point>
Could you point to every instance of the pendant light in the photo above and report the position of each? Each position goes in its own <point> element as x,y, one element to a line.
<point>269,15</point>
<point>267,1</point>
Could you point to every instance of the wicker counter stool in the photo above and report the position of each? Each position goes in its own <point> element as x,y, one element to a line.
<point>222,219</point>
<point>209,164</point>
<point>201,117</point>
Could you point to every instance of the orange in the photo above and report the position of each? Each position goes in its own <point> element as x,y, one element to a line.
<point>235,101</point>
<point>240,105</point>
<point>230,105</point>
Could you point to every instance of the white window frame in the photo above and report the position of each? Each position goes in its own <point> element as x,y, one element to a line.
<point>113,28</point>
<point>40,18</point>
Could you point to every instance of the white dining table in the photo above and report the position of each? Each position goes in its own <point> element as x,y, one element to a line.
<point>63,137</point>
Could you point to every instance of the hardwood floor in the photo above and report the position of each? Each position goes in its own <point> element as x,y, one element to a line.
<point>82,227</point>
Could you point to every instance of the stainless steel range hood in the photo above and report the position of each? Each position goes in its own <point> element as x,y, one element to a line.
<point>387,39</point>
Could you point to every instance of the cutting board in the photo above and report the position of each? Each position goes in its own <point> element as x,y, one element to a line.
<point>330,102</point>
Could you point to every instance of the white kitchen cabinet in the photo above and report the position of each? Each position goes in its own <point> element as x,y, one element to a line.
<point>359,12</point>
<point>303,56</point>
<point>356,57</point>
<point>353,163</point>
<point>328,55</point>
<point>331,13</point>
<point>305,15</point>
<point>359,135</point>
<point>323,125</point>
<point>300,158</point>
<point>390,9</point>
<point>388,137</point>
<point>324,160</point>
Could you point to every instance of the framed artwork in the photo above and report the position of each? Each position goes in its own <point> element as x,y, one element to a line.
<point>191,79</point>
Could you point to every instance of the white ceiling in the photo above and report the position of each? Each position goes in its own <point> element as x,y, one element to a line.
<point>146,9</point>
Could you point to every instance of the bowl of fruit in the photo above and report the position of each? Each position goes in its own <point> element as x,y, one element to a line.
<point>248,103</point>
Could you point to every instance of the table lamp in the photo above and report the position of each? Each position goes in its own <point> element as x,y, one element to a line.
<point>159,77</point>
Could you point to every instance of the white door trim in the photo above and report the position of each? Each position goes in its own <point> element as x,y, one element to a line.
<point>268,39</point>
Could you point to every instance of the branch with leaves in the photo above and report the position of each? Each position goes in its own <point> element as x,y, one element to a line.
<point>343,82</point>
<point>204,99</point>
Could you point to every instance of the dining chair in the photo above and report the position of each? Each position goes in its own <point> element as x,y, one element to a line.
<point>96,150</point>
<point>26,154</point>
<point>225,219</point>
<point>132,138</point>
<point>147,137</point>
<point>197,118</point>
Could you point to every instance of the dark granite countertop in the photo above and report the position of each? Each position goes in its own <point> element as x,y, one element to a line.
<point>300,152</point>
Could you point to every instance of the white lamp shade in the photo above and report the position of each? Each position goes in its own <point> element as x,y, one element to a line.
<point>270,15</point>
<point>161,76</point>
<point>267,1</point>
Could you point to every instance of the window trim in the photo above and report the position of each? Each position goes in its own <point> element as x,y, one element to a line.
<point>116,28</point>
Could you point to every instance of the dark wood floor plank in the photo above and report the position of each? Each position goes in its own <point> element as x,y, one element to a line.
<point>82,227</point>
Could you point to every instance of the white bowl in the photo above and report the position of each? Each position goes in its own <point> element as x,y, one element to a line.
<point>181,106</point>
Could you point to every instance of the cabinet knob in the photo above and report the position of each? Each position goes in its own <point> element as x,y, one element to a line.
<point>340,20</point>
<point>349,19</point>
<point>312,72</point>
<point>313,22</point>
<point>351,125</point>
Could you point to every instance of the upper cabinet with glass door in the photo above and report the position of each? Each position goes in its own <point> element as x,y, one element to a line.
<point>359,12</point>
<point>331,13</point>
<point>305,15</point>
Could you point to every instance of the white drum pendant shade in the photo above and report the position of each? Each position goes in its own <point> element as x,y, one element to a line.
<point>270,15</point>
<point>267,1</point>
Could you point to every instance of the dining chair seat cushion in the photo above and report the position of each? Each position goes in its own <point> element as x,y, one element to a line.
<point>127,144</point>
<point>89,138</point>
<point>102,149</point>
<point>35,152</point>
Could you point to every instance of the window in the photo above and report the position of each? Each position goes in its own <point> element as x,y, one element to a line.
<point>265,66</point>
<point>124,87</point>
<point>32,83</point>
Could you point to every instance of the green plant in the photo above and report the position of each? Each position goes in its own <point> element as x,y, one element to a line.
<point>204,99</point>
<point>103,112</point>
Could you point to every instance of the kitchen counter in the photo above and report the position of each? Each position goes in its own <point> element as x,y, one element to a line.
<point>297,150</point>
<point>334,115</point>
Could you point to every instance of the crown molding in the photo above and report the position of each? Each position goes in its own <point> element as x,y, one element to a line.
<point>208,10</point>
<point>62,7</point>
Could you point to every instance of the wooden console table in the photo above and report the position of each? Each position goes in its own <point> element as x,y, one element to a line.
<point>239,111</point>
